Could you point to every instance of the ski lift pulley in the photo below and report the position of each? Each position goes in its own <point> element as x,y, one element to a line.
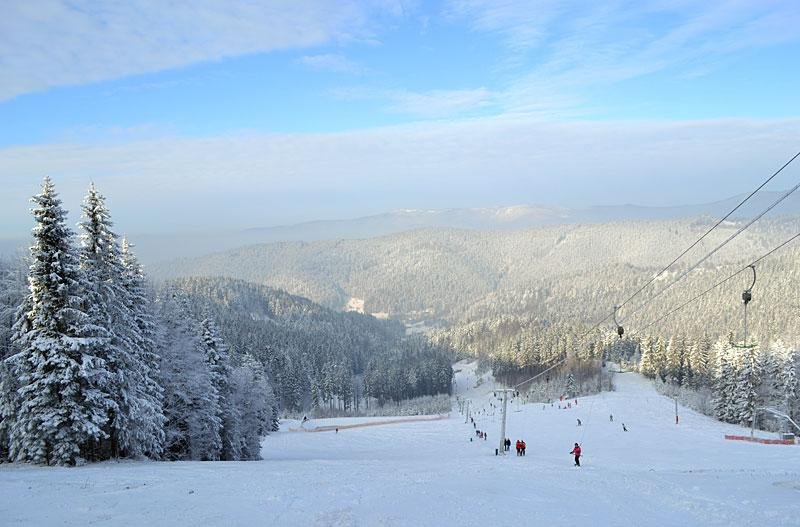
<point>620,329</point>
<point>747,295</point>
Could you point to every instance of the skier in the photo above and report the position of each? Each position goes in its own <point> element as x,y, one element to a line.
<point>624,429</point>
<point>577,453</point>
<point>522,444</point>
<point>337,429</point>
<point>611,417</point>
<point>579,422</point>
<point>519,446</point>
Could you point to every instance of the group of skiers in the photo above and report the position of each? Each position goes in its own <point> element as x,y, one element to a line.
<point>520,446</point>
<point>481,434</point>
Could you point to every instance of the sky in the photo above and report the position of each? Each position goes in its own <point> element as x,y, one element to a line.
<point>228,114</point>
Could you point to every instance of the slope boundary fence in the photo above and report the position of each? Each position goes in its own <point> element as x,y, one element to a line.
<point>331,428</point>
<point>761,440</point>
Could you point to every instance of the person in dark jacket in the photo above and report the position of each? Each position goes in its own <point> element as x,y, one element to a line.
<point>577,453</point>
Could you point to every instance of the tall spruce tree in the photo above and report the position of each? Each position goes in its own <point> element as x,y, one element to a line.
<point>107,304</point>
<point>191,404</point>
<point>746,391</point>
<point>218,361</point>
<point>724,382</point>
<point>147,435</point>
<point>61,407</point>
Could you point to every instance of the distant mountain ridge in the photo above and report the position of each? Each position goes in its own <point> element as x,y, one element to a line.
<point>162,247</point>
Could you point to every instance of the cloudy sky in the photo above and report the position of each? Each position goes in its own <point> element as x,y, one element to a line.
<point>221,114</point>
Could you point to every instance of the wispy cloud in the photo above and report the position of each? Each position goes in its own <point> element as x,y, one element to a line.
<point>69,42</point>
<point>438,103</point>
<point>332,62</point>
<point>564,49</point>
<point>421,104</point>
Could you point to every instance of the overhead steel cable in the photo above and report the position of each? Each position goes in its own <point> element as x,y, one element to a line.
<point>681,255</point>
<point>714,251</point>
<point>701,238</point>
<point>727,279</point>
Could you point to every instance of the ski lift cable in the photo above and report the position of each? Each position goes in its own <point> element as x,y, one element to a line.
<point>730,277</point>
<point>701,238</point>
<point>714,251</point>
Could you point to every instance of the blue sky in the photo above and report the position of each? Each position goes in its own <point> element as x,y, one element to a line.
<point>276,112</point>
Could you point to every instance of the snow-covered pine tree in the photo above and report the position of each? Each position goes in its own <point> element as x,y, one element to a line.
<point>147,434</point>
<point>647,366</point>
<point>218,361</point>
<point>12,293</point>
<point>699,363</point>
<point>675,354</point>
<point>570,385</point>
<point>787,378</point>
<point>724,382</point>
<point>660,359</point>
<point>769,363</point>
<point>254,398</point>
<point>61,410</point>
<point>190,400</point>
<point>746,391</point>
<point>108,306</point>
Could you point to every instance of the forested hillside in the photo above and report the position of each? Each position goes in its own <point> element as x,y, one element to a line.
<point>317,357</point>
<point>565,273</point>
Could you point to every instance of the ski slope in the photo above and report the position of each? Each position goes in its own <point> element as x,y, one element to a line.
<point>430,473</point>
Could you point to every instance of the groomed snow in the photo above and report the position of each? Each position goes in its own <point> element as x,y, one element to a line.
<point>429,473</point>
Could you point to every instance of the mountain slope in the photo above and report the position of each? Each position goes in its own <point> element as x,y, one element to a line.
<point>558,271</point>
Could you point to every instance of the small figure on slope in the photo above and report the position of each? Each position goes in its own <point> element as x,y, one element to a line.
<point>519,447</point>
<point>577,453</point>
<point>624,428</point>
<point>522,444</point>
<point>579,422</point>
<point>611,417</point>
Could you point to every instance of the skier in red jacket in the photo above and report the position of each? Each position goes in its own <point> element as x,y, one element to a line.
<point>577,453</point>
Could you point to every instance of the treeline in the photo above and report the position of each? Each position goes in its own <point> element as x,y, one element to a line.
<point>516,349</point>
<point>318,358</point>
<point>91,369</point>
<point>726,379</point>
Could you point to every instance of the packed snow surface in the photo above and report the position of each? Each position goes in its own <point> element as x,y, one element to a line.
<point>428,472</point>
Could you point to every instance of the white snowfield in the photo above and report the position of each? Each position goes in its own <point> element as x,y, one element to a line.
<point>429,473</point>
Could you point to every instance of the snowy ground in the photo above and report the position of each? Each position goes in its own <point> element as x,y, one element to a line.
<point>429,473</point>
